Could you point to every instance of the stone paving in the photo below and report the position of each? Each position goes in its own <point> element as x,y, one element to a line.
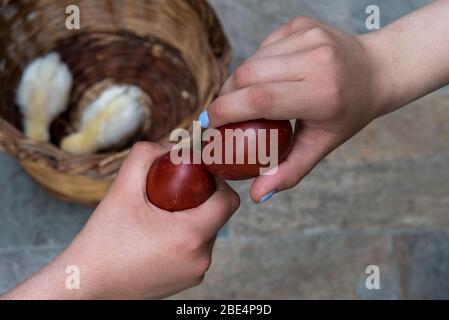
<point>382,198</point>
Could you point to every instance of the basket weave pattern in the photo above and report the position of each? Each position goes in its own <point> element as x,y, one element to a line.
<point>175,50</point>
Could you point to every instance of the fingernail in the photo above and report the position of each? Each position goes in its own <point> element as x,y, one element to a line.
<point>267,197</point>
<point>204,120</point>
<point>168,146</point>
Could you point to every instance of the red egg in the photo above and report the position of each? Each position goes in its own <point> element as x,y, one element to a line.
<point>253,141</point>
<point>175,187</point>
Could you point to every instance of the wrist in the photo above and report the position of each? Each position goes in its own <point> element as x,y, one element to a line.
<point>65,278</point>
<point>385,92</point>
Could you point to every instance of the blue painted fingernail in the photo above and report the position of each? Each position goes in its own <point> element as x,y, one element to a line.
<point>267,197</point>
<point>204,120</point>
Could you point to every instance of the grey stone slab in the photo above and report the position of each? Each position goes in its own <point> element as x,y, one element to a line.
<point>311,242</point>
<point>444,90</point>
<point>423,260</point>
<point>29,216</point>
<point>224,232</point>
<point>18,264</point>
<point>390,10</point>
<point>328,265</point>
<point>406,193</point>
<point>248,22</point>
<point>419,129</point>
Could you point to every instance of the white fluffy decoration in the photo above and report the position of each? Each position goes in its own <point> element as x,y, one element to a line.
<point>43,94</point>
<point>111,119</point>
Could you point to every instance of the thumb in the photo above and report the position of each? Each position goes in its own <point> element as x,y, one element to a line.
<point>311,146</point>
<point>134,170</point>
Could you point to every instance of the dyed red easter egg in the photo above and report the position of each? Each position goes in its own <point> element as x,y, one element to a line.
<point>175,187</point>
<point>246,161</point>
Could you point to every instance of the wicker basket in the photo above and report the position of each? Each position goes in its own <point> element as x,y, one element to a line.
<point>173,49</point>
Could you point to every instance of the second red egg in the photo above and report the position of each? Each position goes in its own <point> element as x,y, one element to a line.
<point>231,168</point>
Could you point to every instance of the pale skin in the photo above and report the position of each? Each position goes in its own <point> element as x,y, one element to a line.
<point>131,249</point>
<point>333,82</point>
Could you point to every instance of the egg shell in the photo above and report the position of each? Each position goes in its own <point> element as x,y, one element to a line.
<point>176,187</point>
<point>247,170</point>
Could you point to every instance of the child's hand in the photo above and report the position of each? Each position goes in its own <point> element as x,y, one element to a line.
<point>132,249</point>
<point>308,71</point>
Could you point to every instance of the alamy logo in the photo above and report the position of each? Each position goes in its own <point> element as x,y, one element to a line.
<point>372,22</point>
<point>73,21</point>
<point>372,282</point>
<point>72,281</point>
<point>234,146</point>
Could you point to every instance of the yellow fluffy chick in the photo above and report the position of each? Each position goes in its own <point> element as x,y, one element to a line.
<point>111,119</point>
<point>43,94</point>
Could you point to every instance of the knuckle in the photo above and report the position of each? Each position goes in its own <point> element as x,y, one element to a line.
<point>141,146</point>
<point>301,21</point>
<point>260,99</point>
<point>244,74</point>
<point>216,109</point>
<point>327,54</point>
<point>292,26</point>
<point>287,28</point>
<point>317,34</point>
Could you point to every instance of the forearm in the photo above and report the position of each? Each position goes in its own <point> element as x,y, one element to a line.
<point>45,284</point>
<point>411,55</point>
<point>52,282</point>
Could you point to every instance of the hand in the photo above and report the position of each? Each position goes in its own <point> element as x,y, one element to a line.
<point>308,71</point>
<point>132,249</point>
